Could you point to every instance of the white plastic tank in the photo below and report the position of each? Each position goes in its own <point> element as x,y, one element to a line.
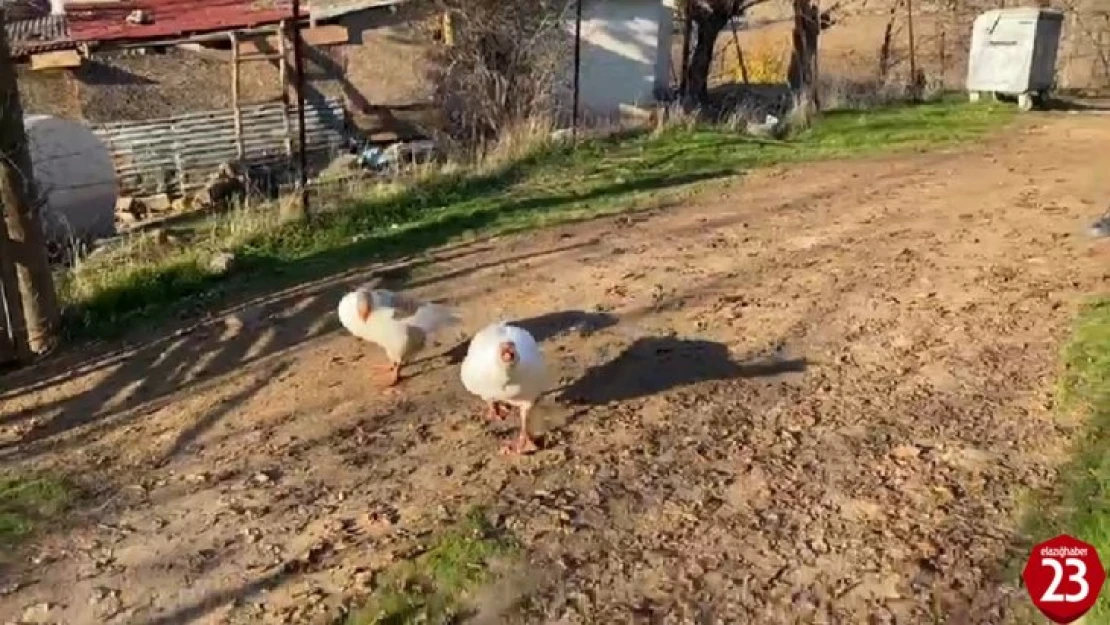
<point>1013,52</point>
<point>75,177</point>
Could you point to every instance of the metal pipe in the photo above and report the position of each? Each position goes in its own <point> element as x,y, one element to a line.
<point>684,66</point>
<point>577,69</point>
<point>298,67</point>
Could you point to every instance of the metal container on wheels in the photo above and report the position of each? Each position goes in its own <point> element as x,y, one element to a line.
<point>1013,53</point>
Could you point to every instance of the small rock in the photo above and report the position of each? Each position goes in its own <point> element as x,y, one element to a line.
<point>221,263</point>
<point>246,318</point>
<point>905,452</point>
<point>101,594</point>
<point>37,613</point>
<point>262,478</point>
<point>364,578</point>
<point>197,478</point>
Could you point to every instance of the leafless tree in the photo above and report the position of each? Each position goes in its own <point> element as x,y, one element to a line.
<point>709,18</point>
<point>505,61</point>
<point>802,73</point>
<point>28,285</point>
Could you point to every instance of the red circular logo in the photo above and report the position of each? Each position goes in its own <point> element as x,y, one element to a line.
<point>1064,577</point>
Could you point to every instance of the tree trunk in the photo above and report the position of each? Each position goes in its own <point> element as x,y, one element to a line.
<point>687,29</point>
<point>24,243</point>
<point>709,25</point>
<point>802,74</point>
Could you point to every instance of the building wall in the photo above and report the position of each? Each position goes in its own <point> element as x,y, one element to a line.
<point>624,59</point>
<point>381,74</point>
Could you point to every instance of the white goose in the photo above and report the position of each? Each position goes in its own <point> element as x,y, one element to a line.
<point>399,325</point>
<point>504,366</point>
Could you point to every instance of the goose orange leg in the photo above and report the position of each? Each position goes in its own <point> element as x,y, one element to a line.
<point>497,411</point>
<point>523,444</point>
<point>393,373</point>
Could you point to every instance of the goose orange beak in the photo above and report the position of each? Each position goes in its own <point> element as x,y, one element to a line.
<point>508,352</point>
<point>363,306</point>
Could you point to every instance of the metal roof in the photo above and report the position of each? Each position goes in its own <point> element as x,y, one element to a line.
<point>107,22</point>
<point>38,34</point>
<point>97,22</point>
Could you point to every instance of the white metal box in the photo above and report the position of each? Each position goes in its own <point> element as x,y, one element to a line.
<point>1013,52</point>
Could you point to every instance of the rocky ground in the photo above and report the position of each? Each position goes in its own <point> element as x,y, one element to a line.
<point>813,396</point>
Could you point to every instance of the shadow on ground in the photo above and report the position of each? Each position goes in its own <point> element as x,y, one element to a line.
<point>129,383</point>
<point>655,365</point>
<point>1077,105</point>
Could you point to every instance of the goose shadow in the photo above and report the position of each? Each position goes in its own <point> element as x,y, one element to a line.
<point>653,365</point>
<point>546,327</point>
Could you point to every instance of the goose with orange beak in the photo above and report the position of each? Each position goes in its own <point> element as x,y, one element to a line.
<point>401,326</point>
<point>504,366</point>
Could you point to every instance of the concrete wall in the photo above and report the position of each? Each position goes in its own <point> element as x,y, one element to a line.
<point>624,59</point>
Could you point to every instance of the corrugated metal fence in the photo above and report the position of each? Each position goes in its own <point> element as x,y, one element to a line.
<point>176,155</point>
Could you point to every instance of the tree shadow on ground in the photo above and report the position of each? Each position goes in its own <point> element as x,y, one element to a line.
<point>653,365</point>
<point>136,381</point>
<point>206,605</point>
<point>143,379</point>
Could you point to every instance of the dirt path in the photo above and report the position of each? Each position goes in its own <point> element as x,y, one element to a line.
<point>812,397</point>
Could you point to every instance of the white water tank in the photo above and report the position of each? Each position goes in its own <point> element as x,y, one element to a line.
<point>74,175</point>
<point>1013,52</point>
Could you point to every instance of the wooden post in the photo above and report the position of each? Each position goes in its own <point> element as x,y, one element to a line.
<point>7,348</point>
<point>12,345</point>
<point>739,54</point>
<point>302,140</point>
<point>684,66</point>
<point>448,29</point>
<point>914,92</point>
<point>75,91</point>
<point>283,69</point>
<point>234,37</point>
<point>24,268</point>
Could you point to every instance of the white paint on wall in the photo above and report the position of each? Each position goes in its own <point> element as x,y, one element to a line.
<point>625,59</point>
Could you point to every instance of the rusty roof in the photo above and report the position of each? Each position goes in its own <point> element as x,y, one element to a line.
<point>107,21</point>
<point>38,34</point>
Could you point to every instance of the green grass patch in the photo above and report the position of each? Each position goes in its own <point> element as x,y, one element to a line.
<point>26,503</point>
<point>145,283</point>
<point>1079,504</point>
<point>433,587</point>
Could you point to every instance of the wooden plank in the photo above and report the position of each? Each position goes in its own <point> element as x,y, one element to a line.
<point>56,59</point>
<point>283,70</point>
<point>236,111</point>
<point>247,58</point>
<point>329,35</point>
